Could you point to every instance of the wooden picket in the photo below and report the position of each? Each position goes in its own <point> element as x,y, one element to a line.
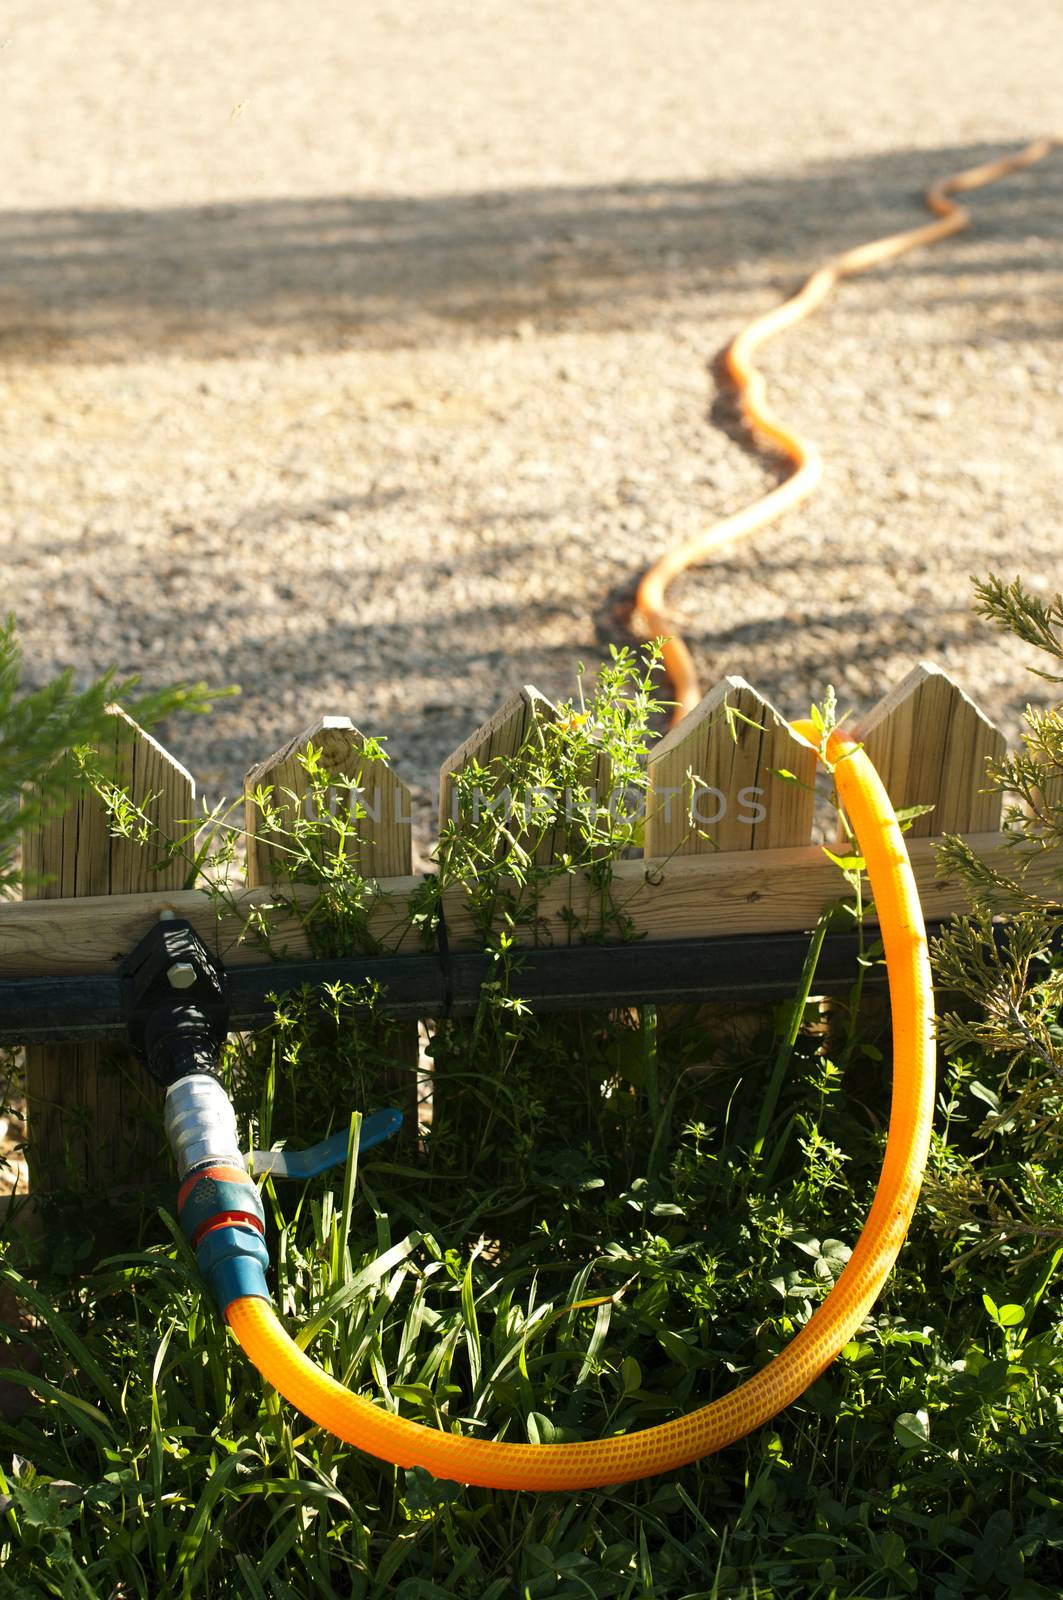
<point>714,780</point>
<point>727,840</point>
<point>88,1105</point>
<point>373,803</point>
<point>380,841</point>
<point>930,744</point>
<point>716,788</point>
<point>521,717</point>
<point>500,737</point>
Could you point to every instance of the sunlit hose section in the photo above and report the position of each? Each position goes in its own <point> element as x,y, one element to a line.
<point>807,468</point>
<point>606,1461</point>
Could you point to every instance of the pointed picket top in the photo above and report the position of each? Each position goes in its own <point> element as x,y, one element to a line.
<point>84,1118</point>
<point>73,852</point>
<point>930,743</point>
<point>500,737</point>
<point>713,783</point>
<point>497,740</point>
<point>381,838</point>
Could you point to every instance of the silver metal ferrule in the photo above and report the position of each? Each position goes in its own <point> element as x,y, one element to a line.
<point>200,1124</point>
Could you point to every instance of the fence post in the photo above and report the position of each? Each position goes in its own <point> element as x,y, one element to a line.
<point>92,1109</point>
<point>930,743</point>
<point>467,1126</point>
<point>380,842</point>
<point>712,788</point>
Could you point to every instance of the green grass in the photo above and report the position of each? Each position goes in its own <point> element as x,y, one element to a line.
<point>926,1462</point>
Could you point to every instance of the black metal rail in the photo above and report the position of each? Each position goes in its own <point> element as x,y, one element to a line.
<point>753,967</point>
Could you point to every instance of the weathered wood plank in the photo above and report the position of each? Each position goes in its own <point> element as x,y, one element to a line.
<point>930,743</point>
<point>373,798</point>
<point>712,778</point>
<point>88,1105</point>
<point>688,897</point>
<point>368,798</point>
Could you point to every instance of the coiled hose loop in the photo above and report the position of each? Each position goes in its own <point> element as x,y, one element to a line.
<point>496,1464</point>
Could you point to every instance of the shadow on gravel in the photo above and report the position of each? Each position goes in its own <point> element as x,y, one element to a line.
<point>343,271</point>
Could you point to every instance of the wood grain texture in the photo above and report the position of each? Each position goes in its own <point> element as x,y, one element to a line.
<point>88,1105</point>
<point>711,779</point>
<point>369,797</point>
<point>500,737</point>
<point>525,715</point>
<point>930,743</point>
<point>688,897</point>
<point>369,791</point>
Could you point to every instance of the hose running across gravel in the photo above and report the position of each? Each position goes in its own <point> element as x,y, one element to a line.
<point>499,1465</point>
<point>650,610</point>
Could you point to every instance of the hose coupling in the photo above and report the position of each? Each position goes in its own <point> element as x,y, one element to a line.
<point>200,1124</point>
<point>219,1206</point>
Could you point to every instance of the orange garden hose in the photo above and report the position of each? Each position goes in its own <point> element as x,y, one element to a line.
<point>496,1464</point>
<point>805,457</point>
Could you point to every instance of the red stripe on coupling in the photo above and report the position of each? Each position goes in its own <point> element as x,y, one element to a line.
<point>223,1174</point>
<point>222,1220</point>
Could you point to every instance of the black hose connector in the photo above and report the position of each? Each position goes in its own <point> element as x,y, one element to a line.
<point>175,1001</point>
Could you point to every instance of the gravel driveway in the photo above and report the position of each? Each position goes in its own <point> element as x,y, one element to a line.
<point>360,354</point>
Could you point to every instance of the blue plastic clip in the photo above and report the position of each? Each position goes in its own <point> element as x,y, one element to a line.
<point>331,1152</point>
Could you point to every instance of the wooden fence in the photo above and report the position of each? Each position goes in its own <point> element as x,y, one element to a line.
<point>745,867</point>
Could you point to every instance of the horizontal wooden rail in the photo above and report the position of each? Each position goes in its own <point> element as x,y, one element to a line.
<point>688,897</point>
